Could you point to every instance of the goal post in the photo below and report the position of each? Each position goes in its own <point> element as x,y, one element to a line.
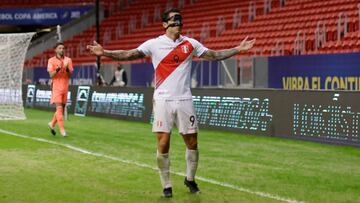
<point>13,49</point>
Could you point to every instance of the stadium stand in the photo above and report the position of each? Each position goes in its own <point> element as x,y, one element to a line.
<point>111,29</point>
<point>279,30</point>
<point>283,24</point>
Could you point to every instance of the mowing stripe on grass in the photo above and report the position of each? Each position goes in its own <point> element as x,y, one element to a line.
<point>215,182</point>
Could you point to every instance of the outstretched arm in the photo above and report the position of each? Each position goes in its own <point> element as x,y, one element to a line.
<point>121,55</point>
<point>226,53</point>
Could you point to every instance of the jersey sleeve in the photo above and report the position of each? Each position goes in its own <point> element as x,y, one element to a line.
<point>199,48</point>
<point>146,47</point>
<point>70,64</point>
<point>50,66</point>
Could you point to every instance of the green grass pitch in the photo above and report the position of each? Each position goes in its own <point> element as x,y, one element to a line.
<point>233,167</point>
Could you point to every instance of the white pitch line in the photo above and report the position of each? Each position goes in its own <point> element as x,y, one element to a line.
<point>215,182</point>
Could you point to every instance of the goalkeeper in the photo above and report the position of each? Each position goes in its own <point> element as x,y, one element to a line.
<point>60,69</point>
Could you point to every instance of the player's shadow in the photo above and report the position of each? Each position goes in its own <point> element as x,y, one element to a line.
<point>194,198</point>
<point>188,198</point>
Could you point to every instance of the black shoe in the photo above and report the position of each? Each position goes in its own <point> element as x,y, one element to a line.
<point>52,130</point>
<point>167,192</point>
<point>192,186</point>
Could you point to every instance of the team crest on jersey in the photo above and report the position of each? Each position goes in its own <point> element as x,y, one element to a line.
<point>185,49</point>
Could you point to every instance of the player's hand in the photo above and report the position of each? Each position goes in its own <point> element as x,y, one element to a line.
<point>67,68</point>
<point>95,49</point>
<point>246,44</point>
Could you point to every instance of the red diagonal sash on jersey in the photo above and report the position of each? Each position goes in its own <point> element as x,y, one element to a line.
<point>172,61</point>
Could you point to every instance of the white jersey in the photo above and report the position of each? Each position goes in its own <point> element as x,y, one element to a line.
<point>172,63</point>
<point>119,78</point>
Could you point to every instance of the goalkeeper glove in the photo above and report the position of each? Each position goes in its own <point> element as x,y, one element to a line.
<point>67,68</point>
<point>58,69</point>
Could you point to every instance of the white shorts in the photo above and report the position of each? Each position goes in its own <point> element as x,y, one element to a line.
<point>180,112</point>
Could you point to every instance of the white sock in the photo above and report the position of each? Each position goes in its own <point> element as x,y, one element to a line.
<point>192,158</point>
<point>163,162</point>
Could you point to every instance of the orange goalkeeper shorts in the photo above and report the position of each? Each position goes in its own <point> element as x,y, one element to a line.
<point>58,97</point>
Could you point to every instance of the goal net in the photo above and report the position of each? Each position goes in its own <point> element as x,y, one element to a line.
<point>13,49</point>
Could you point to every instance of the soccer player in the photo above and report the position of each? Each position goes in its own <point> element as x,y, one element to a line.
<point>171,56</point>
<point>60,69</point>
<point>120,77</point>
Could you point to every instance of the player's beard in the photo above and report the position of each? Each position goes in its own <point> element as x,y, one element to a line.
<point>176,30</point>
<point>61,53</point>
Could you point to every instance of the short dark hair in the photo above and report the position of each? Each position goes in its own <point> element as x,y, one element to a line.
<point>165,15</point>
<point>58,44</point>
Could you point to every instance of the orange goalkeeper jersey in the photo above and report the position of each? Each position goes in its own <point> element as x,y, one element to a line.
<point>60,82</point>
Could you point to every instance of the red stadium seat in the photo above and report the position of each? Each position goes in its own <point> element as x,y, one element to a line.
<point>281,24</point>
